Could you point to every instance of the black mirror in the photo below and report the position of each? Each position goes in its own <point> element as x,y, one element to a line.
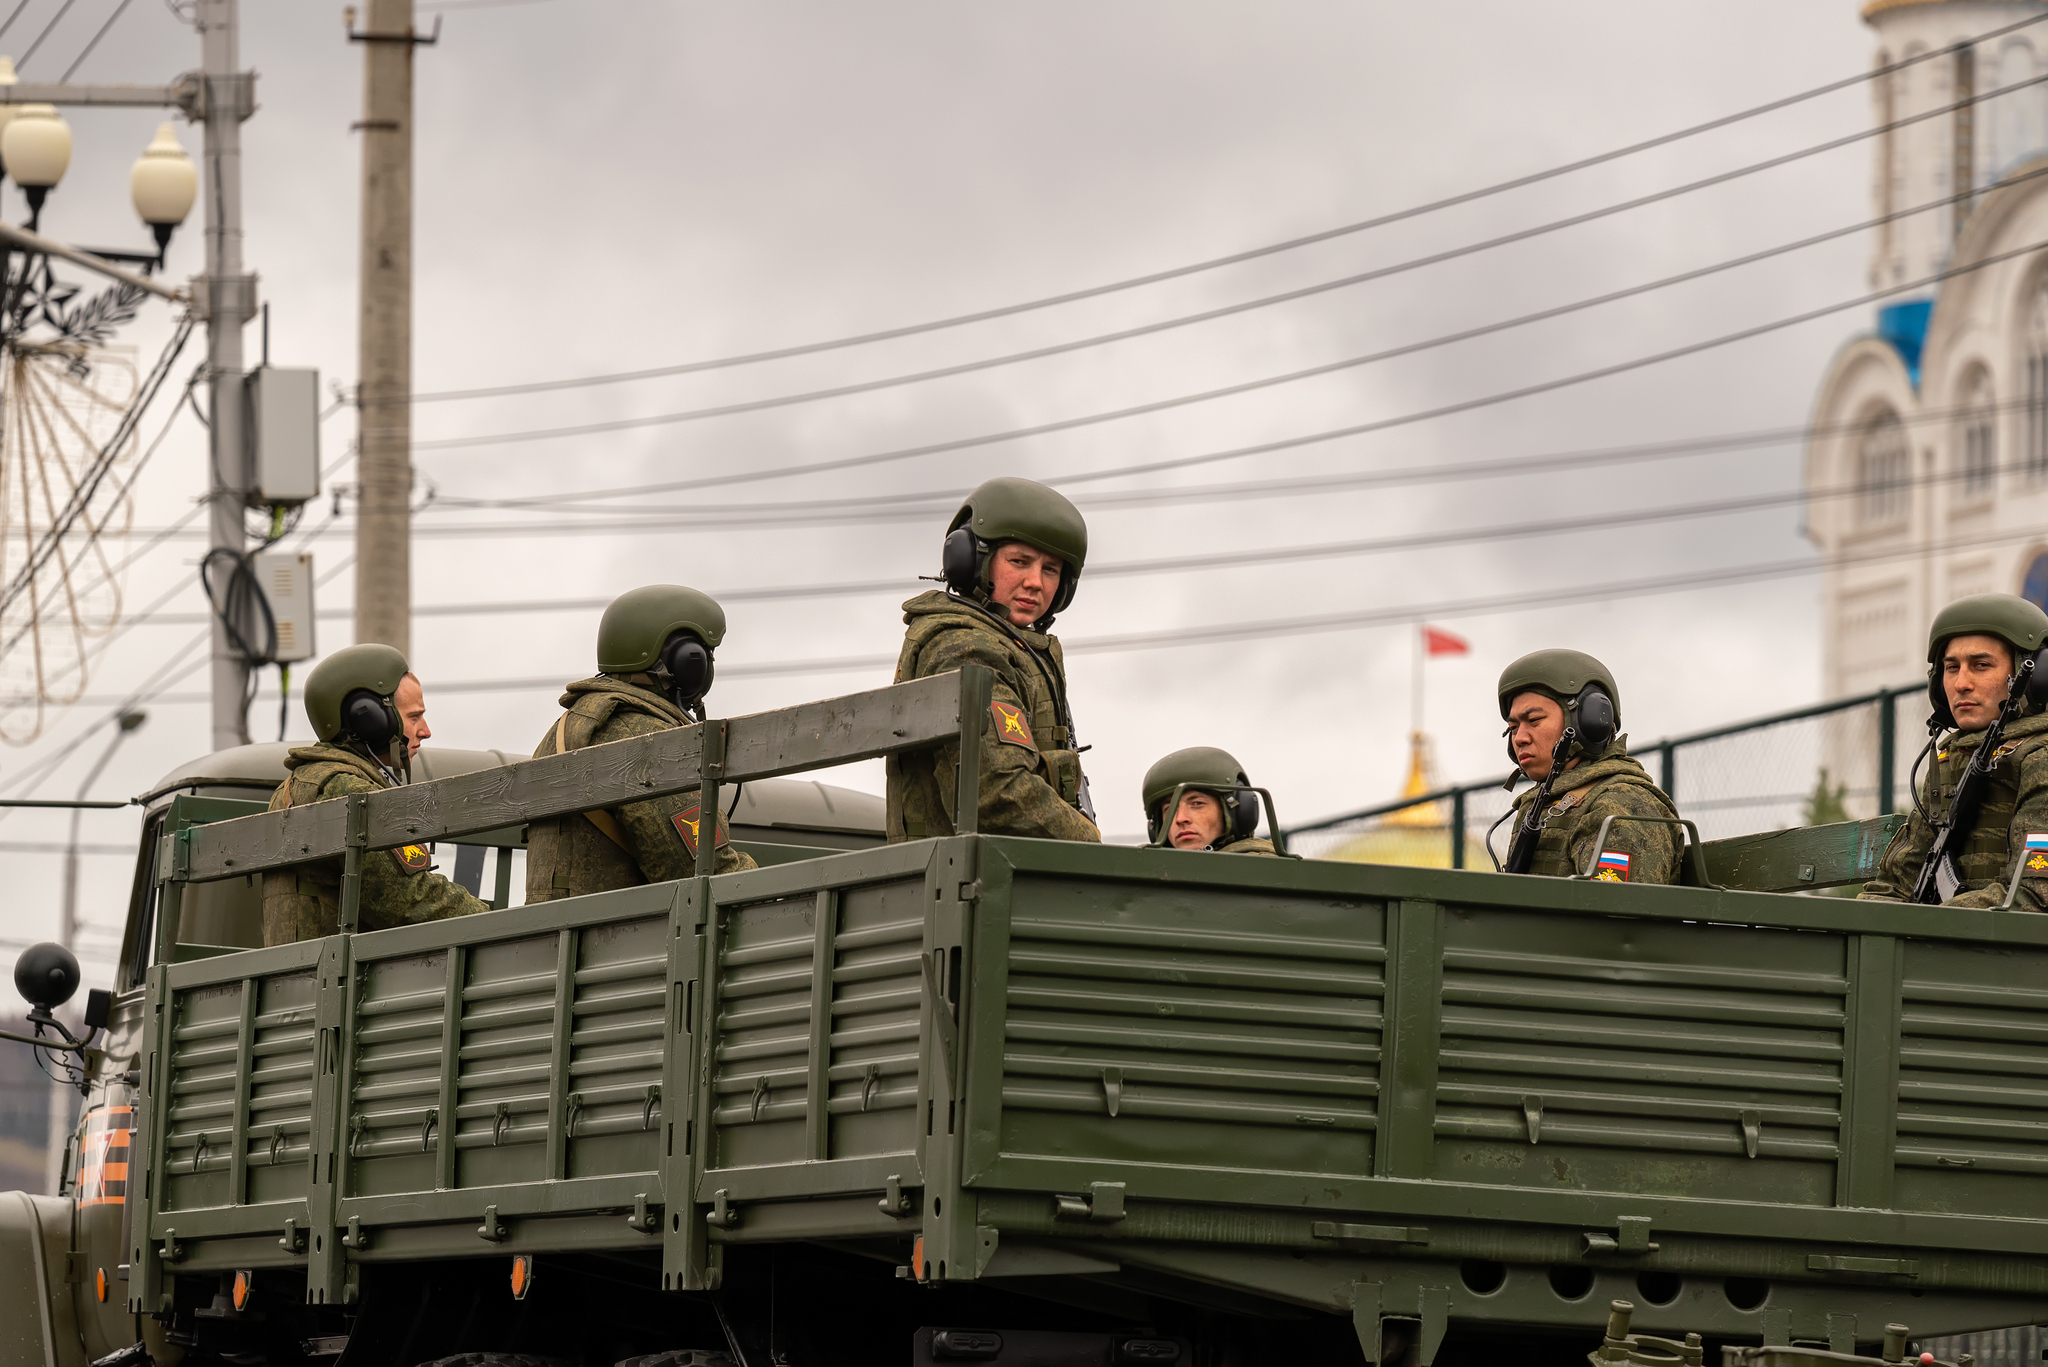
<point>46,976</point>
<point>99,1004</point>
<point>1596,719</point>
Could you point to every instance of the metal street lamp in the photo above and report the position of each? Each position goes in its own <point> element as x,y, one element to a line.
<point>36,147</point>
<point>163,184</point>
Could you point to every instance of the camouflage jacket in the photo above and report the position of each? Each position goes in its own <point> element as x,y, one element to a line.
<point>1612,785</point>
<point>399,886</point>
<point>2015,806</point>
<point>1030,772</point>
<point>1248,845</point>
<point>640,842</point>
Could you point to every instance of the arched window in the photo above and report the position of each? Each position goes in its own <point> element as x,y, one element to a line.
<point>1977,444</point>
<point>2034,461</point>
<point>1881,470</point>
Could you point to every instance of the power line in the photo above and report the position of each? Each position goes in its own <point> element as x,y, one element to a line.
<point>1355,429</point>
<point>1607,518</point>
<point>62,10</point>
<point>1236,258</point>
<point>80,58</point>
<point>1302,626</point>
<point>1388,354</point>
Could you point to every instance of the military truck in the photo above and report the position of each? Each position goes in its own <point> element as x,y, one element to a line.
<point>988,1099</point>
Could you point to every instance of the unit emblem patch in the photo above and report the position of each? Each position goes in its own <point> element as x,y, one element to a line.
<point>687,824</point>
<point>413,858</point>
<point>1612,868</point>
<point>1010,724</point>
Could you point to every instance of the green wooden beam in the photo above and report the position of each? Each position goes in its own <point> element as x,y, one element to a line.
<point>1806,857</point>
<point>882,721</point>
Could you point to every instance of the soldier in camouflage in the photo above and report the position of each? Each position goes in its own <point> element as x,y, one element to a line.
<point>1973,651</point>
<point>1540,695</point>
<point>1218,809</point>
<point>362,748</point>
<point>654,660</point>
<point>1013,554</point>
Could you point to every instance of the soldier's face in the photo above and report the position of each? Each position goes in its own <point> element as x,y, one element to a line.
<point>411,702</point>
<point>1024,580</point>
<point>1198,823</point>
<point>1535,723</point>
<point>1974,673</point>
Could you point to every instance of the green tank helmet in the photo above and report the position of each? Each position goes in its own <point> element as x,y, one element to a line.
<point>1201,769</point>
<point>2020,624</point>
<point>1010,509</point>
<point>1565,676</point>
<point>348,698</point>
<point>639,622</point>
<point>2010,618</point>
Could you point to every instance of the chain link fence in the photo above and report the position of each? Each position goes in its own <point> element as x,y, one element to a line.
<point>1837,761</point>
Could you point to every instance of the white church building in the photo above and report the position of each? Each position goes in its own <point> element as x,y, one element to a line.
<point>1927,462</point>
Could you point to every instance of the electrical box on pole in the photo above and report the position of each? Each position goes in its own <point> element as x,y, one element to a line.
<point>283,427</point>
<point>285,579</point>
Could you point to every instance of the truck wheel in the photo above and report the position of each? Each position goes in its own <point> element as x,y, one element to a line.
<point>497,1360</point>
<point>682,1357</point>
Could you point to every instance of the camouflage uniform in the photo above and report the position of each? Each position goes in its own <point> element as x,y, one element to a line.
<point>2015,806</point>
<point>1612,785</point>
<point>1030,779</point>
<point>1248,845</point>
<point>399,886</point>
<point>567,856</point>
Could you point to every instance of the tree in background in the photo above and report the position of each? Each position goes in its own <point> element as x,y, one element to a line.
<point>1824,804</point>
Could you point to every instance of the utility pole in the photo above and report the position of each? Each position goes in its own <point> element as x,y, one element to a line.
<point>384,330</point>
<point>226,298</point>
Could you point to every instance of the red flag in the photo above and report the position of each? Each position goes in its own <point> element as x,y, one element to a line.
<point>1437,642</point>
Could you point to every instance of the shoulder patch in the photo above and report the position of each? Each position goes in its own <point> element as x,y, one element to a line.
<point>688,824</point>
<point>1010,724</point>
<point>1612,867</point>
<point>412,858</point>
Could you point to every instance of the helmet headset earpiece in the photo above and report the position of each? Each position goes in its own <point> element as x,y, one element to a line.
<point>961,561</point>
<point>1589,713</point>
<point>372,721</point>
<point>685,668</point>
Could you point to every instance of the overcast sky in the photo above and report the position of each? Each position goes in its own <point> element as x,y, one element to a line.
<point>607,185</point>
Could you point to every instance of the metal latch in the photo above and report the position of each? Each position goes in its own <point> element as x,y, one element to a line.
<point>893,1201</point>
<point>642,1219</point>
<point>492,1228</point>
<point>294,1239</point>
<point>1881,1267</point>
<point>1104,1201</point>
<point>1631,1236</point>
<point>723,1213</point>
<point>1370,1234</point>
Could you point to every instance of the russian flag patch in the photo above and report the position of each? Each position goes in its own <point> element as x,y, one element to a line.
<point>1613,866</point>
<point>2038,842</point>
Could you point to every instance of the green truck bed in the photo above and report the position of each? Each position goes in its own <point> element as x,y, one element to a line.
<point>1272,1086</point>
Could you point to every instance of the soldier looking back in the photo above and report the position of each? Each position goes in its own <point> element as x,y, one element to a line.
<point>1013,554</point>
<point>1541,695</point>
<point>1973,650</point>
<point>363,748</point>
<point>654,661</point>
<point>1218,809</point>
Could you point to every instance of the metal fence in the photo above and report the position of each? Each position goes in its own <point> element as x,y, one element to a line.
<point>1831,762</point>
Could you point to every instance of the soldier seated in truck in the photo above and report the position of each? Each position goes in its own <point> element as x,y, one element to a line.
<point>1563,710</point>
<point>654,666</point>
<point>1011,559</point>
<point>1217,808</point>
<point>363,747</point>
<point>1996,836</point>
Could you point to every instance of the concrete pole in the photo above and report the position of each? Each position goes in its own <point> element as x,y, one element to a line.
<point>384,337</point>
<point>227,298</point>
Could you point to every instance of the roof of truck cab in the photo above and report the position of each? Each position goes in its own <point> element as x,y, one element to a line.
<point>796,803</point>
